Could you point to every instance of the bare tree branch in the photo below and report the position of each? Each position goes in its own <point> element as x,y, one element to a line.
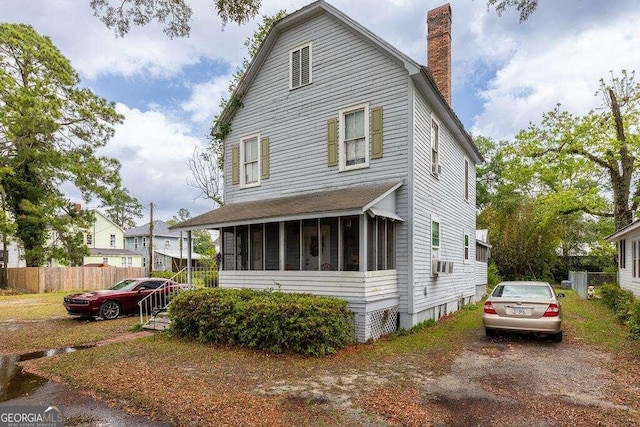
<point>205,175</point>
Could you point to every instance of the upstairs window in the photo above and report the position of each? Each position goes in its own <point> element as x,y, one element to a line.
<point>135,243</point>
<point>89,239</point>
<point>354,137</point>
<point>435,148</point>
<point>300,66</point>
<point>466,180</point>
<point>112,241</point>
<point>250,161</point>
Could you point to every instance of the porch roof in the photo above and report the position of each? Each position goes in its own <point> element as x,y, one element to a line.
<point>347,201</point>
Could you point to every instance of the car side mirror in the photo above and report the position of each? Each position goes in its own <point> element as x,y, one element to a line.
<point>142,288</point>
<point>560,295</point>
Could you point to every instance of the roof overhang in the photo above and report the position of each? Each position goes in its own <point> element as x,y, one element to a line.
<point>355,200</point>
<point>624,232</point>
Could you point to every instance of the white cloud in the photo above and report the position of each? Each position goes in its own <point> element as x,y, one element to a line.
<point>203,103</point>
<point>153,150</point>
<point>538,77</point>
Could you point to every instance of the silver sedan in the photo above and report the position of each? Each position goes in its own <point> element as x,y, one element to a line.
<point>531,307</point>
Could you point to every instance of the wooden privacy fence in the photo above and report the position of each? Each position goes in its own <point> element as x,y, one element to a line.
<point>57,279</point>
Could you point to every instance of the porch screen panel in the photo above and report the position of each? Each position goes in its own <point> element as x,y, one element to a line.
<point>391,245</point>
<point>228,249</point>
<point>311,245</point>
<point>272,246</point>
<point>242,247</point>
<point>382,242</point>
<point>292,245</point>
<point>351,243</point>
<point>371,243</point>
<point>329,244</point>
<point>257,256</point>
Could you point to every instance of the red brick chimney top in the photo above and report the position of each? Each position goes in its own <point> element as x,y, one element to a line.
<point>439,48</point>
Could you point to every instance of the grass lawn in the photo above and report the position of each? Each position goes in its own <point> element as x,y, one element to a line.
<point>30,322</point>
<point>182,382</point>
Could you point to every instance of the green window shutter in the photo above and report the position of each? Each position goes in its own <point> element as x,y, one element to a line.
<point>235,164</point>
<point>332,142</point>
<point>264,154</point>
<point>376,133</point>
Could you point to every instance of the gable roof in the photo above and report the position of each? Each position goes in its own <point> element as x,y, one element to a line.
<point>420,74</point>
<point>624,231</point>
<point>160,228</point>
<point>96,212</point>
<point>347,201</point>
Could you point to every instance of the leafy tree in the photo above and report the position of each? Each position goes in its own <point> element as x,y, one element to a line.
<point>525,7</point>
<point>175,14</point>
<point>123,209</point>
<point>50,130</point>
<point>591,162</point>
<point>202,240</point>
<point>220,128</point>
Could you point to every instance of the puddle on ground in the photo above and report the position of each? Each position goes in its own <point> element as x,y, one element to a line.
<point>14,382</point>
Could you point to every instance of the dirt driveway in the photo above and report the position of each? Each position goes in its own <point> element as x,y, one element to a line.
<point>504,381</point>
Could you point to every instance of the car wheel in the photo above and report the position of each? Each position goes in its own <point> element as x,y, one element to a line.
<point>557,337</point>
<point>110,310</point>
<point>490,332</point>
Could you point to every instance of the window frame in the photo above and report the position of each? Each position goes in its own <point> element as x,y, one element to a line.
<point>291,52</point>
<point>89,239</point>
<point>135,243</point>
<point>466,180</point>
<point>112,240</point>
<point>622,254</point>
<point>466,248</point>
<point>435,146</point>
<point>342,148</point>
<point>242,165</point>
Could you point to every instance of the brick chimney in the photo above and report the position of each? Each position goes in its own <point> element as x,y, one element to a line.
<point>439,48</point>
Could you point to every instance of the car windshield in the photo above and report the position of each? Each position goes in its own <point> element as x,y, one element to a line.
<point>125,285</point>
<point>522,291</point>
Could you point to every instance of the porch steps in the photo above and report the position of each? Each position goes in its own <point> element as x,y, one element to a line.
<point>159,322</point>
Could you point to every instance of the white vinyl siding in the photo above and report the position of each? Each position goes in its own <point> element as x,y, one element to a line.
<point>354,137</point>
<point>300,66</point>
<point>250,161</point>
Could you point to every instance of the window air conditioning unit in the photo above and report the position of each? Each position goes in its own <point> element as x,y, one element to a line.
<point>436,169</point>
<point>441,267</point>
<point>435,267</point>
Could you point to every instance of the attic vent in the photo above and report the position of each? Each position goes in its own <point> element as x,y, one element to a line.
<point>300,66</point>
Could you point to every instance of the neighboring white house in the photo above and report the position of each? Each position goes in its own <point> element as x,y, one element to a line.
<point>169,247</point>
<point>349,173</point>
<point>627,241</point>
<point>13,257</point>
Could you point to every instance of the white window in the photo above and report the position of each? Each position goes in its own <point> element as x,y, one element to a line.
<point>354,137</point>
<point>89,239</point>
<point>112,241</point>
<point>466,247</point>
<point>635,258</point>
<point>124,261</point>
<point>129,261</point>
<point>167,244</point>
<point>466,180</point>
<point>250,161</point>
<point>435,237</point>
<point>135,243</point>
<point>435,147</point>
<point>622,254</point>
<point>300,66</point>
<point>105,260</point>
<point>144,242</point>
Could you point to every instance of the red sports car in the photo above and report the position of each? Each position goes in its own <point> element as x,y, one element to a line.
<point>121,298</point>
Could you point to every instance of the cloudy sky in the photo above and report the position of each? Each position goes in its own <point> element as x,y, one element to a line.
<point>505,74</point>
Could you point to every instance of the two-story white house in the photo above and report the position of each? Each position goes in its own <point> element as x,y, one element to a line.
<point>348,174</point>
<point>169,248</point>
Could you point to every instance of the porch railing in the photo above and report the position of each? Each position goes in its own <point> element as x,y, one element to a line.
<point>159,298</point>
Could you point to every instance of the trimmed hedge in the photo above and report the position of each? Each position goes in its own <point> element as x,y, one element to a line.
<point>625,305</point>
<point>275,321</point>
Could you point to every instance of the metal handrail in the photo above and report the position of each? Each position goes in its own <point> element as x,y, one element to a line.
<point>159,299</point>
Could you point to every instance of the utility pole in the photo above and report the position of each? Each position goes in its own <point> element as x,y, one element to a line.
<point>151,226</point>
<point>5,252</point>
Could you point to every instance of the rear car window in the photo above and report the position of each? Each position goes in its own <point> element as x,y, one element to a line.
<point>528,291</point>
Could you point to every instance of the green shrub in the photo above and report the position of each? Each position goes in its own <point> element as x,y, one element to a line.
<point>624,304</point>
<point>493,275</point>
<point>276,321</point>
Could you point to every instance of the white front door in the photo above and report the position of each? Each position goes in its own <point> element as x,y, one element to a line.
<point>316,253</point>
